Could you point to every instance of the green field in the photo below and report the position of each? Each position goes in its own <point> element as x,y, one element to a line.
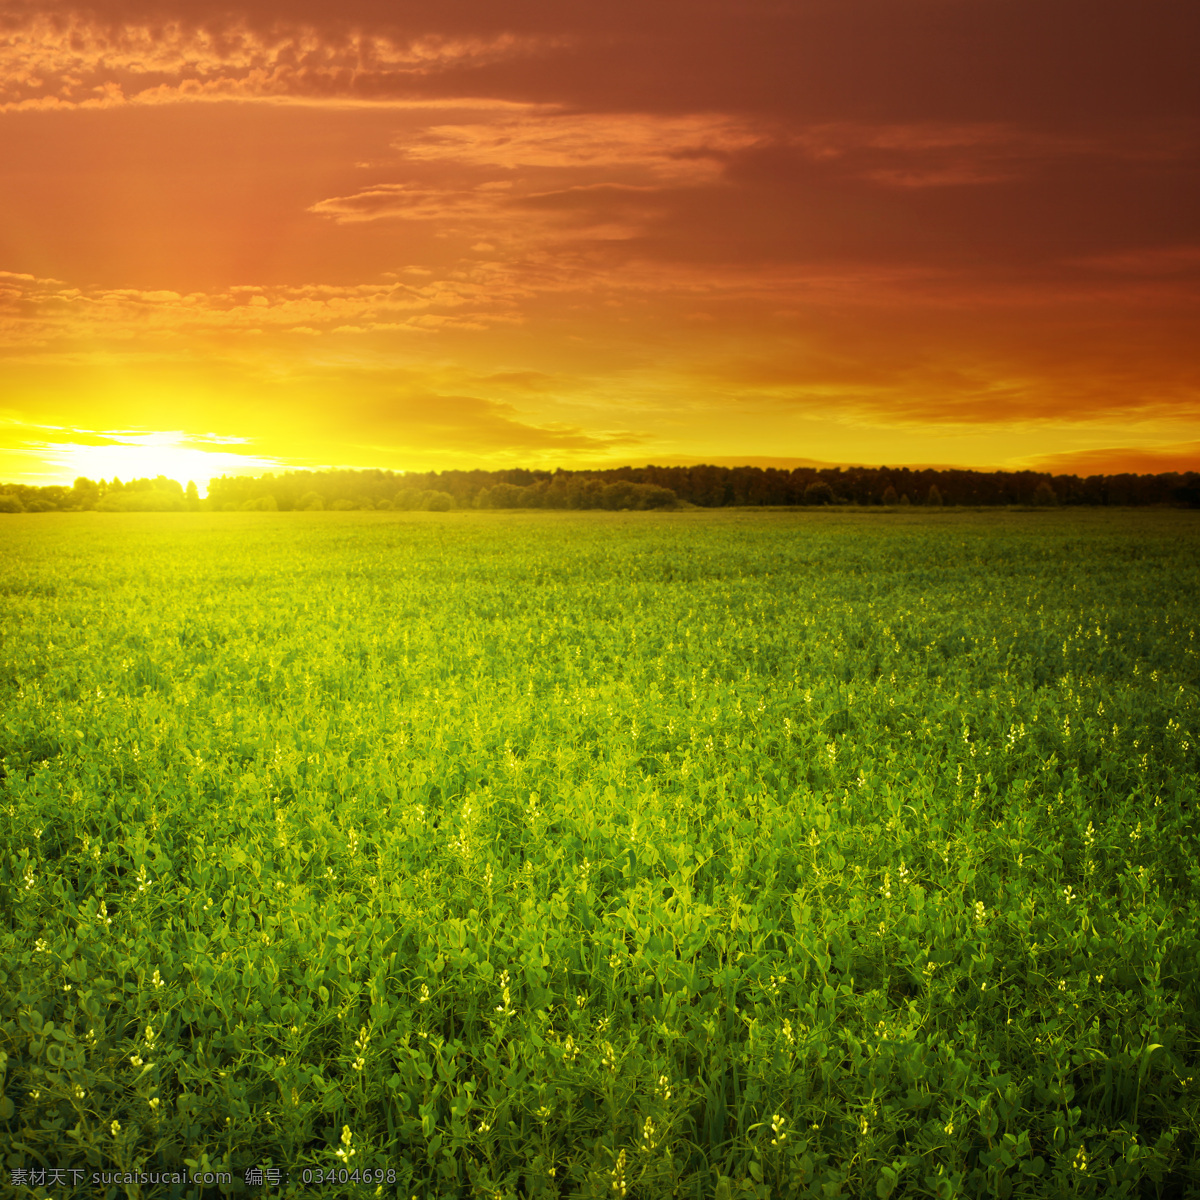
<point>700,853</point>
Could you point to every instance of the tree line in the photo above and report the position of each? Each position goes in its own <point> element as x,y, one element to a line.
<point>615,489</point>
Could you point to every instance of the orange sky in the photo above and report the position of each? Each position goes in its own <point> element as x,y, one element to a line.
<point>459,233</point>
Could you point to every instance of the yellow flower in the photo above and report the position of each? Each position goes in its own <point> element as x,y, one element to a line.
<point>346,1153</point>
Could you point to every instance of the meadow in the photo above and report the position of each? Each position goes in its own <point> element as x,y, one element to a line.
<point>702,853</point>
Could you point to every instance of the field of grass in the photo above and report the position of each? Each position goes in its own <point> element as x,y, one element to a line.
<point>734,853</point>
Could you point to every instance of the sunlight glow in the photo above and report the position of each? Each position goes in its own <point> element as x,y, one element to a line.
<point>146,455</point>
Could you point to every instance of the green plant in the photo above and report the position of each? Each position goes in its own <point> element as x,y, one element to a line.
<point>707,853</point>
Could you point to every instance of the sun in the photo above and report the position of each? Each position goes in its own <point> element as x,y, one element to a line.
<point>147,455</point>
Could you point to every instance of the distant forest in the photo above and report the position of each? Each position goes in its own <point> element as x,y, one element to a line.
<point>619,488</point>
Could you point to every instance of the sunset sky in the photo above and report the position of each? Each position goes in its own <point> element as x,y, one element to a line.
<point>423,234</point>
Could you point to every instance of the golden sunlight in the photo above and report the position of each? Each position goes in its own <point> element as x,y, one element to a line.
<point>146,455</point>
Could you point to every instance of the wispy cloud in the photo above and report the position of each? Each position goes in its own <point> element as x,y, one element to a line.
<point>38,312</point>
<point>54,61</point>
<point>677,148</point>
<point>1156,459</point>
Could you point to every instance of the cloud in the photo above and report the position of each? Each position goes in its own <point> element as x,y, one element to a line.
<point>412,203</point>
<point>940,154</point>
<point>1149,261</point>
<point>69,61</point>
<point>678,148</point>
<point>42,312</point>
<point>433,421</point>
<point>16,434</point>
<point>1158,459</point>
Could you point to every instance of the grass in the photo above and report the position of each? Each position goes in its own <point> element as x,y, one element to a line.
<point>688,854</point>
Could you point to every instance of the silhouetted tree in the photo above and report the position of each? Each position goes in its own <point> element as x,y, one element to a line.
<point>818,492</point>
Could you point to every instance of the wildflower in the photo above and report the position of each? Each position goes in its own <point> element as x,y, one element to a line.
<point>980,912</point>
<point>618,1175</point>
<point>360,1045</point>
<point>136,1059</point>
<point>789,1037</point>
<point>347,1152</point>
<point>506,1008</point>
<point>949,1127</point>
<point>40,946</point>
<point>663,1088</point>
<point>115,1127</point>
<point>1081,1162</point>
<point>79,1093</point>
<point>150,1036</point>
<point>777,1124</point>
<point>157,981</point>
<point>424,993</point>
<point>154,1103</point>
<point>570,1051</point>
<point>610,1056</point>
<point>648,1134</point>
